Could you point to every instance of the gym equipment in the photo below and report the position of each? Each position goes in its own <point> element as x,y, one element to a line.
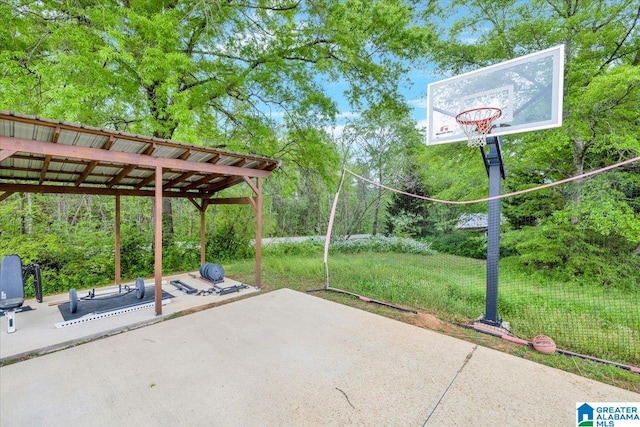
<point>11,289</point>
<point>12,283</point>
<point>105,308</point>
<point>223,291</point>
<point>183,286</point>
<point>33,270</point>
<point>139,289</point>
<point>212,272</point>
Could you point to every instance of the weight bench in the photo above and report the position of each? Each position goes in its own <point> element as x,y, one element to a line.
<point>12,283</point>
<point>11,289</point>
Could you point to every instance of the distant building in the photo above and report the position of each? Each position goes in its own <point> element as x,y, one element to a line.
<point>475,222</point>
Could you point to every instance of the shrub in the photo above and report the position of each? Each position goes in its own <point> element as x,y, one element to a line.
<point>462,243</point>
<point>312,246</point>
<point>382,244</point>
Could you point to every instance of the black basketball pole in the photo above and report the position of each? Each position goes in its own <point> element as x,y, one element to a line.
<point>492,155</point>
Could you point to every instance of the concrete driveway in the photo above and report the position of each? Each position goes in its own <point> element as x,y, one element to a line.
<point>286,358</point>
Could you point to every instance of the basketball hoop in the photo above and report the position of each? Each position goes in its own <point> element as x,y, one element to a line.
<point>476,124</point>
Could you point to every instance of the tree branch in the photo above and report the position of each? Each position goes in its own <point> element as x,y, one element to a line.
<point>614,54</point>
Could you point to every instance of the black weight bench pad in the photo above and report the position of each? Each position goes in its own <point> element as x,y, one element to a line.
<point>11,283</point>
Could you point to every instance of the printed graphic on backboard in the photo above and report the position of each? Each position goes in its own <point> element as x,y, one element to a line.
<point>528,90</point>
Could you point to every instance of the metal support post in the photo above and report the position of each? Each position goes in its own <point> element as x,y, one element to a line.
<point>492,156</point>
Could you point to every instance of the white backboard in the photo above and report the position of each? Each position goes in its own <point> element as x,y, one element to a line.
<point>528,90</point>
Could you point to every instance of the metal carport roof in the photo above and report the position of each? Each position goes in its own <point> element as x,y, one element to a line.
<point>40,155</point>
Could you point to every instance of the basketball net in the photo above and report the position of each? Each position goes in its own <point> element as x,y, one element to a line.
<point>476,124</point>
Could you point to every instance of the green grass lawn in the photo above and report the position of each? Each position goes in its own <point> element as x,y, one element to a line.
<point>600,322</point>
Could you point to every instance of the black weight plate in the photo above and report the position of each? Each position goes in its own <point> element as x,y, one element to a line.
<point>215,273</point>
<point>202,269</point>
<point>73,300</point>
<point>210,271</point>
<point>140,288</point>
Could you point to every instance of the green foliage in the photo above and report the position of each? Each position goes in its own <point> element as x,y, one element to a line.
<point>136,254</point>
<point>409,216</point>
<point>381,244</point>
<point>406,224</point>
<point>65,262</point>
<point>462,243</point>
<point>554,250</point>
<point>378,244</point>
<point>231,235</point>
<point>298,204</point>
<point>587,232</point>
<point>314,246</point>
<point>181,256</point>
<point>208,72</point>
<point>604,210</point>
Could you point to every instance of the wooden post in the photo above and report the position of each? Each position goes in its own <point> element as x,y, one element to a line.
<point>118,272</point>
<point>203,214</point>
<point>158,242</point>
<point>258,210</point>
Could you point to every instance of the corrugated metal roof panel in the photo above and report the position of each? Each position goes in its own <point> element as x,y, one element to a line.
<point>199,156</point>
<point>67,137</point>
<point>106,170</point>
<point>141,173</point>
<point>91,141</point>
<point>98,179</point>
<point>227,160</point>
<point>27,165</point>
<point>129,146</point>
<point>128,182</point>
<point>168,152</point>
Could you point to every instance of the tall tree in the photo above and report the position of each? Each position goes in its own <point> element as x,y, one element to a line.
<point>245,75</point>
<point>221,72</point>
<point>382,142</point>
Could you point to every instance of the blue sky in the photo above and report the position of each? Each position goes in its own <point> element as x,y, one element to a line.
<point>415,93</point>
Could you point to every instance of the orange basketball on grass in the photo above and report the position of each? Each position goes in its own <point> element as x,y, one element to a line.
<point>544,344</point>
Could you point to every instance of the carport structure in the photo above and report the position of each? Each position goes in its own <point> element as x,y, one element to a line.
<point>47,156</point>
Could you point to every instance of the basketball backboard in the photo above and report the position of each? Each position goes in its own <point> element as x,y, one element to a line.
<point>528,90</point>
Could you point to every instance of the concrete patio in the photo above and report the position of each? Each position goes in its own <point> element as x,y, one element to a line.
<point>40,331</point>
<point>287,358</point>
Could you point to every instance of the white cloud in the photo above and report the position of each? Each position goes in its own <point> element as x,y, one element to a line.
<point>335,131</point>
<point>418,102</point>
<point>422,124</point>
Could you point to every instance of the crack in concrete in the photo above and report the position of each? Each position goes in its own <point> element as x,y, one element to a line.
<point>466,360</point>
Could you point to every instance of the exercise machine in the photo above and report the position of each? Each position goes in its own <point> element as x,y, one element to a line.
<point>184,287</point>
<point>13,277</point>
<point>214,274</point>
<point>103,294</point>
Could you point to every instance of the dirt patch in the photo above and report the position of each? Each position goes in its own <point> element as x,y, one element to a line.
<point>429,321</point>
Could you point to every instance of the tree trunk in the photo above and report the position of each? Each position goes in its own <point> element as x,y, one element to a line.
<point>26,218</point>
<point>167,222</point>
<point>579,150</point>
<point>376,212</point>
